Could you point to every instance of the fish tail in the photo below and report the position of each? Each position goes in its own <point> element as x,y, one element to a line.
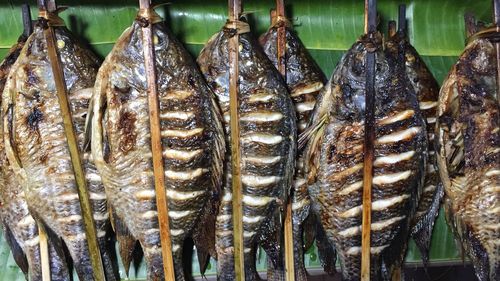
<point>204,236</point>
<point>126,242</point>
<point>17,252</point>
<point>422,230</point>
<point>58,266</point>
<point>110,266</point>
<point>177,255</point>
<point>326,250</point>
<point>81,259</point>
<point>298,252</point>
<point>251,265</point>
<point>154,262</point>
<point>225,265</point>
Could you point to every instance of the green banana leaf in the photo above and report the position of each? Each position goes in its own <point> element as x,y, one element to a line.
<point>327,28</point>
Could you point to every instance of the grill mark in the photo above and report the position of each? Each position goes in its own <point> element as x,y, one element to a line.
<point>261,116</point>
<point>177,95</point>
<point>308,89</point>
<point>493,172</point>
<point>26,221</point>
<point>176,232</point>
<point>145,194</point>
<point>397,117</point>
<point>352,251</point>
<point>257,201</point>
<point>262,159</point>
<point>179,214</point>
<point>299,205</point>
<point>261,97</point>
<point>393,158</point>
<point>391,178</point>
<point>304,106</point>
<point>183,155</point>
<point>69,219</point>
<point>181,195</point>
<point>181,133</point>
<point>351,188</point>
<point>185,175</point>
<point>252,219</point>
<point>259,181</point>
<point>423,105</point>
<point>149,214</point>
<point>263,138</point>
<point>378,205</point>
<point>399,136</point>
<point>376,226</point>
<point>181,115</point>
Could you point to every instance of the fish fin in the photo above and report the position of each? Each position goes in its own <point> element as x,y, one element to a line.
<point>309,229</point>
<point>87,135</point>
<point>271,240</point>
<point>17,251</point>
<point>422,230</point>
<point>126,242</point>
<point>326,251</point>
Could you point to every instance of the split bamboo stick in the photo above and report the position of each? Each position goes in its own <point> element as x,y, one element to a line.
<point>368,148</point>
<point>239,260</point>
<point>62,94</point>
<point>496,17</point>
<point>156,146</point>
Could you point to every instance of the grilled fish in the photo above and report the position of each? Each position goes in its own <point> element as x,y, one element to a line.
<point>334,158</point>
<point>468,154</point>
<point>427,90</point>
<point>36,146</point>
<point>304,79</point>
<point>267,139</point>
<point>19,227</point>
<point>192,139</point>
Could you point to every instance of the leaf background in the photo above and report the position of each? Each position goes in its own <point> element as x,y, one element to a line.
<point>326,27</point>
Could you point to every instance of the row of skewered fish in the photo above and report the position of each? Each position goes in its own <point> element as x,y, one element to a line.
<point>110,114</point>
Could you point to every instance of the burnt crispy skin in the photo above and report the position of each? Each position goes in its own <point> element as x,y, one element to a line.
<point>267,139</point>
<point>468,142</point>
<point>192,143</point>
<point>334,159</point>
<point>427,90</point>
<point>36,144</point>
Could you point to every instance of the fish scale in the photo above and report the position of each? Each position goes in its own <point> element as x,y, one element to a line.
<point>37,141</point>
<point>192,143</point>
<point>267,134</point>
<point>304,80</point>
<point>468,155</point>
<point>334,160</point>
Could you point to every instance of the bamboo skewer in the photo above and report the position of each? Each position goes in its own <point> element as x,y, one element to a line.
<point>402,18</point>
<point>62,94</point>
<point>368,148</point>
<point>496,16</point>
<point>44,253</point>
<point>156,146</point>
<point>239,260</point>
<point>288,229</point>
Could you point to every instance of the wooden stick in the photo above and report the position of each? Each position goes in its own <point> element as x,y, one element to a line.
<point>44,253</point>
<point>239,259</point>
<point>27,23</point>
<point>74,151</point>
<point>368,148</point>
<point>156,147</point>
<point>496,16</point>
<point>281,58</point>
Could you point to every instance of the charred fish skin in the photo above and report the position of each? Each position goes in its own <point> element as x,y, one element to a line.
<point>192,140</point>
<point>18,225</point>
<point>427,91</point>
<point>267,139</point>
<point>304,79</point>
<point>468,147</point>
<point>334,159</point>
<point>36,144</point>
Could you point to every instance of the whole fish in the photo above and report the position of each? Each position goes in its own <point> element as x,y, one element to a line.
<point>267,139</point>
<point>334,158</point>
<point>19,227</point>
<point>36,146</point>
<point>427,90</point>
<point>468,154</point>
<point>304,79</point>
<point>192,140</point>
